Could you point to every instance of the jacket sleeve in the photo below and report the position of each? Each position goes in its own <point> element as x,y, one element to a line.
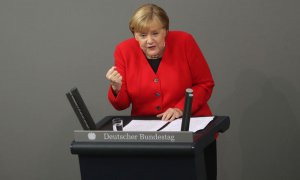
<point>202,81</point>
<point>121,100</point>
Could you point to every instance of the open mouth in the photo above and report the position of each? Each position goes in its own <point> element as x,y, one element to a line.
<point>151,47</point>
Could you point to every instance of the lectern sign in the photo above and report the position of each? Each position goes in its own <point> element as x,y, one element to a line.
<point>133,136</point>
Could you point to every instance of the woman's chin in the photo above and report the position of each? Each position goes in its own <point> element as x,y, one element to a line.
<point>151,54</point>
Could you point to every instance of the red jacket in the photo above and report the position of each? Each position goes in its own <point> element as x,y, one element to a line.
<point>182,66</point>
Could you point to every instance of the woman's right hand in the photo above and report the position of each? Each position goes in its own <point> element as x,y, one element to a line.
<point>115,79</point>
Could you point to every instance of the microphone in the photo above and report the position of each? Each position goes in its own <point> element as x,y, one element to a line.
<point>187,110</point>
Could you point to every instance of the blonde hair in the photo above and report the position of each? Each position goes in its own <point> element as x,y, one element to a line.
<point>144,15</point>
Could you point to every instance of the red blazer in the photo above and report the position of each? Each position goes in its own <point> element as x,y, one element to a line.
<point>182,66</point>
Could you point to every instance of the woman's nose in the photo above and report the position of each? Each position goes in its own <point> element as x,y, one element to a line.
<point>149,39</point>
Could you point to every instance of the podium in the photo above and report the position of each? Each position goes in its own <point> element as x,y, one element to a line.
<point>146,160</point>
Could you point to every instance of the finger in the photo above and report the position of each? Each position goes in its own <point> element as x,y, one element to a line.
<point>167,116</point>
<point>110,71</point>
<point>118,79</point>
<point>163,116</point>
<point>176,114</point>
<point>160,115</point>
<point>114,76</point>
<point>173,117</point>
<point>113,73</point>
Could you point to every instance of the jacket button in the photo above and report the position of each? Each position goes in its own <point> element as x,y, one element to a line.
<point>156,80</point>
<point>157,94</point>
<point>158,108</point>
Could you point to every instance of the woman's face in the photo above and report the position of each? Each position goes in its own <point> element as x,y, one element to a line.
<point>152,42</point>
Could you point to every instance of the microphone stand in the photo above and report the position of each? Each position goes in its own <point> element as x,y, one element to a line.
<point>187,110</point>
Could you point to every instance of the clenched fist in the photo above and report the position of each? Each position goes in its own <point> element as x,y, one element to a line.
<point>115,79</point>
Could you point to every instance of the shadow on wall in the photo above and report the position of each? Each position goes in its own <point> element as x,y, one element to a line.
<point>269,134</point>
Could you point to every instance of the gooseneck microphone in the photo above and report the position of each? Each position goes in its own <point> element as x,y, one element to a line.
<point>187,110</point>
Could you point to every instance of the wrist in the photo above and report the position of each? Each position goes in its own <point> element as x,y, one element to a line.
<point>115,89</point>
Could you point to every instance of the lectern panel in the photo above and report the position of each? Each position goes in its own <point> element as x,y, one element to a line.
<point>137,168</point>
<point>146,161</point>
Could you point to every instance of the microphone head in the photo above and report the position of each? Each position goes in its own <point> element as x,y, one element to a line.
<point>189,90</point>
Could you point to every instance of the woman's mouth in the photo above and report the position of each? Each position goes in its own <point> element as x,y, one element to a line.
<point>151,47</point>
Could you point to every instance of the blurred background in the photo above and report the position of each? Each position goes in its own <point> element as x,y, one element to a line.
<point>48,47</point>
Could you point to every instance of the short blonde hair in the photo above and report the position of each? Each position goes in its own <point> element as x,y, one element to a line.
<point>144,15</point>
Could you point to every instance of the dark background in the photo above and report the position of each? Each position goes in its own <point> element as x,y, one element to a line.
<point>48,47</point>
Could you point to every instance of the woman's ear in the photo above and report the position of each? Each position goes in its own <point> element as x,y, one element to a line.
<point>135,36</point>
<point>167,31</point>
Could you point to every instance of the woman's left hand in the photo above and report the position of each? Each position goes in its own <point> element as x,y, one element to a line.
<point>170,114</point>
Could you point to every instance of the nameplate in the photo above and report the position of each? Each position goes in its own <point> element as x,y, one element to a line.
<point>133,136</point>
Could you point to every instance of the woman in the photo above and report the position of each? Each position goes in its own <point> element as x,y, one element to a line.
<point>154,68</point>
